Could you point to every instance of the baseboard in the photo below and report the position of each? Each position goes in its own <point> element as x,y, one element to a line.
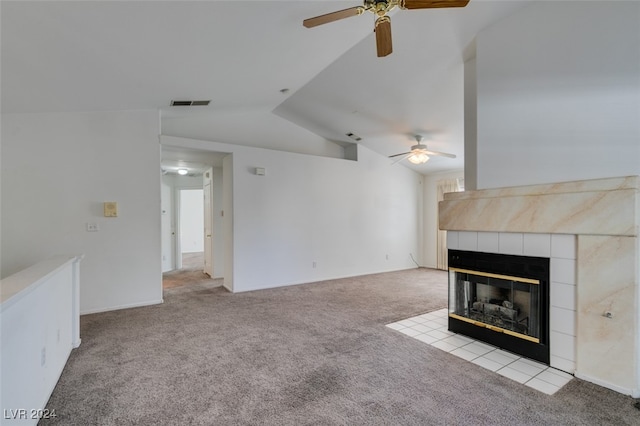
<point>634,393</point>
<point>117,308</point>
<point>318,279</point>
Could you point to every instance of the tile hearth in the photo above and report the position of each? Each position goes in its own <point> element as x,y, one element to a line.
<point>431,328</point>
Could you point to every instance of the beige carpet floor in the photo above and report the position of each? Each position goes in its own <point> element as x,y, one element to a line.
<point>313,354</point>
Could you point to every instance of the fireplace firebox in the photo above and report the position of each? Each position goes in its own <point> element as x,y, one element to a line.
<point>502,300</point>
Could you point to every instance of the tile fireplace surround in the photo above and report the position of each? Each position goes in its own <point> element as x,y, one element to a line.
<point>589,230</point>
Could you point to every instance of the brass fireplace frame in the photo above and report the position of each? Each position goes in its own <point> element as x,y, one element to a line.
<point>489,326</point>
<point>516,273</point>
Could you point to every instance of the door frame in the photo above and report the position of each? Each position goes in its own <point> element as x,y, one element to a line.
<point>208,237</point>
<point>224,199</point>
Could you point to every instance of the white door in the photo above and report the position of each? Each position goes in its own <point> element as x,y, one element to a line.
<point>208,220</point>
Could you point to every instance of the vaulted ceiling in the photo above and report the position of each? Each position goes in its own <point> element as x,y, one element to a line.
<point>272,82</point>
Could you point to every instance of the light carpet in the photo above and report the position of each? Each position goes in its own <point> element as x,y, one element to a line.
<point>317,354</point>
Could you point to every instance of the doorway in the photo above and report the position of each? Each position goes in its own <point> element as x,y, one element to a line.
<point>187,232</point>
<point>191,214</point>
<point>211,173</point>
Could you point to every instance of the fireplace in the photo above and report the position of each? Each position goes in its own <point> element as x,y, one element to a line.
<point>590,232</point>
<point>502,300</point>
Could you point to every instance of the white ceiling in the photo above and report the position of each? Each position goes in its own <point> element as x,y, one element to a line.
<point>114,55</point>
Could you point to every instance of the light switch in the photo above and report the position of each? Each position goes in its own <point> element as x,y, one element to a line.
<point>110,209</point>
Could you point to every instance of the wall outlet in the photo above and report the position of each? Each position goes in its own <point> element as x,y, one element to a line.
<point>314,264</point>
<point>92,227</point>
<point>386,256</point>
<point>43,356</point>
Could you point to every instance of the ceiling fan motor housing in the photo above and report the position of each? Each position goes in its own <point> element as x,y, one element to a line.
<point>380,8</point>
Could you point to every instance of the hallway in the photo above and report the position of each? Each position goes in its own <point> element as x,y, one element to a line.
<point>191,273</point>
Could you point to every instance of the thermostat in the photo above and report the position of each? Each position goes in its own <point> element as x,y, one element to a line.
<point>110,209</point>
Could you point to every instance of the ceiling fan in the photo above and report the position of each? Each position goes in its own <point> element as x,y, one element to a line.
<point>419,153</point>
<point>380,8</point>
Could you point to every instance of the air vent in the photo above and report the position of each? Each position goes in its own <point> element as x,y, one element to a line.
<point>354,137</point>
<point>190,103</point>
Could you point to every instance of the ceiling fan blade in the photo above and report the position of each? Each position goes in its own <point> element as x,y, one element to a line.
<point>333,16</point>
<point>405,155</point>
<point>442,154</point>
<point>397,155</point>
<point>431,4</point>
<point>383,36</point>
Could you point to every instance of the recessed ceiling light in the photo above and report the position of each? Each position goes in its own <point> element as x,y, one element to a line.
<point>183,172</point>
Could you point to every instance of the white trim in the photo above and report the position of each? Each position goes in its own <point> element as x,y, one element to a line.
<point>634,393</point>
<point>117,308</point>
<point>177,255</point>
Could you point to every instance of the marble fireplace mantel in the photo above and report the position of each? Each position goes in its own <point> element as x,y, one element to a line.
<point>604,216</point>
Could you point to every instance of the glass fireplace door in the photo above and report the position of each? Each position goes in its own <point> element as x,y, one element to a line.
<point>500,303</point>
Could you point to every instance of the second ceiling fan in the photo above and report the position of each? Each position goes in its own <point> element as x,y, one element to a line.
<point>383,22</point>
<point>419,153</point>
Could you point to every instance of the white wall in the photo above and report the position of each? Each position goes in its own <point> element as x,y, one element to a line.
<point>57,170</point>
<point>430,217</point>
<point>258,129</point>
<point>470,124</point>
<point>558,91</point>
<point>345,216</point>
<point>191,221</point>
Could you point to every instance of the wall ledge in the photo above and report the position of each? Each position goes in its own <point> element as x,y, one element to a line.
<point>17,286</point>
